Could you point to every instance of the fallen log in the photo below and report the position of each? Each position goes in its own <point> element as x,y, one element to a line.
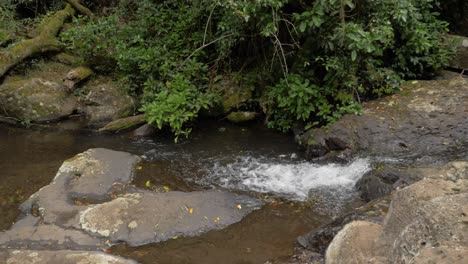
<point>46,41</point>
<point>76,76</point>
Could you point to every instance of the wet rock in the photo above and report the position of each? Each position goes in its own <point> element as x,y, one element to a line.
<point>146,217</point>
<point>319,239</point>
<point>124,124</point>
<point>241,117</point>
<point>29,233</point>
<point>381,182</point>
<point>460,61</point>
<point>60,257</point>
<point>426,220</point>
<point>36,100</point>
<point>104,102</point>
<point>355,241</point>
<point>90,176</point>
<point>145,130</point>
<point>426,119</point>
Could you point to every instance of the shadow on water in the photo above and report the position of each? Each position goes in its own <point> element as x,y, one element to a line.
<point>29,160</point>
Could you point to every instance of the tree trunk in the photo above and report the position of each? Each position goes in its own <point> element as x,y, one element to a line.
<point>46,41</point>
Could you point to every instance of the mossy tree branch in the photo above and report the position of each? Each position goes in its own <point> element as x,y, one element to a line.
<point>80,8</point>
<point>46,41</point>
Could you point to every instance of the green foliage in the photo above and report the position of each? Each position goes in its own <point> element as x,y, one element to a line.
<point>326,56</point>
<point>164,49</point>
<point>297,99</point>
<point>357,49</point>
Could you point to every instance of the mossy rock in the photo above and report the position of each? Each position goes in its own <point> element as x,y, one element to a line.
<point>241,117</point>
<point>460,61</point>
<point>124,124</point>
<point>36,100</point>
<point>233,93</point>
<point>103,101</point>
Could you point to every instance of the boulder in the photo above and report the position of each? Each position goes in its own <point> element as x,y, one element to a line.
<point>426,119</point>
<point>61,256</point>
<point>380,182</point>
<point>233,94</point>
<point>460,60</point>
<point>124,124</point>
<point>103,102</point>
<point>354,244</point>
<point>145,130</point>
<point>426,222</point>
<point>36,100</point>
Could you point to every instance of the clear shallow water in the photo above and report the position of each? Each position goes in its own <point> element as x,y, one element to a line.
<point>253,160</point>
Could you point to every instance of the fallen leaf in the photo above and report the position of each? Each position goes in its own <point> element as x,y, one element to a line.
<point>190,211</point>
<point>148,184</point>
<point>216,220</point>
<point>239,206</point>
<point>139,168</point>
<point>166,188</point>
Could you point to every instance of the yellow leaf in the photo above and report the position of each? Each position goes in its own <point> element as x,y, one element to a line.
<point>239,206</point>
<point>148,184</point>
<point>166,188</point>
<point>139,168</point>
<point>190,211</point>
<point>216,220</point>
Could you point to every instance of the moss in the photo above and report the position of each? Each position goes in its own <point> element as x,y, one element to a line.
<point>68,59</point>
<point>123,124</point>
<point>240,117</point>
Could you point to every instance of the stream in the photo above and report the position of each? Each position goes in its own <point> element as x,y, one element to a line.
<point>245,159</point>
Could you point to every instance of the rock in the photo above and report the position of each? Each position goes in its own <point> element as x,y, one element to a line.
<point>145,130</point>
<point>89,206</point>
<point>104,102</point>
<point>354,244</point>
<point>380,182</point>
<point>426,223</point>
<point>124,124</point>
<point>88,177</point>
<point>319,239</point>
<point>241,117</point>
<point>29,233</point>
<point>460,61</point>
<point>426,119</point>
<point>145,217</point>
<point>60,257</point>
<point>36,100</point>
<point>233,93</point>
<point>76,76</point>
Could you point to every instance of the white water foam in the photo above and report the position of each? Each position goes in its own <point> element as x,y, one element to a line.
<point>290,180</point>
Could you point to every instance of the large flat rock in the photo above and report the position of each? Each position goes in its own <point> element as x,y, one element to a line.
<point>146,217</point>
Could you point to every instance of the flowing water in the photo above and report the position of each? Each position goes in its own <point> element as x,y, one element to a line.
<point>298,195</point>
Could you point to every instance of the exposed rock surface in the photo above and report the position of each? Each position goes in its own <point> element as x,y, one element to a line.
<point>60,257</point>
<point>426,119</point>
<point>104,102</point>
<point>145,217</point>
<point>90,205</point>
<point>426,222</point>
<point>36,100</point>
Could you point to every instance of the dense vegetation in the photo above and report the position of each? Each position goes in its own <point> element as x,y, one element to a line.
<point>310,61</point>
